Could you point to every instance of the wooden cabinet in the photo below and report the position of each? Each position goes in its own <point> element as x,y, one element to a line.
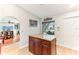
<point>35,45</point>
<point>46,47</point>
<point>53,47</point>
<point>40,46</point>
<point>31,45</point>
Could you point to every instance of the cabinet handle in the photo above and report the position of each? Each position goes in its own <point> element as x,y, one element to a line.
<point>45,45</point>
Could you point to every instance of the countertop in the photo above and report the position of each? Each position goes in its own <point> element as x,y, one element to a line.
<point>45,37</point>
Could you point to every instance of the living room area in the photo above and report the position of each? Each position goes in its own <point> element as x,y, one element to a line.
<point>39,29</point>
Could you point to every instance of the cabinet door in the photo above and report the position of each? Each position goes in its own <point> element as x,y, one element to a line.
<point>37,46</point>
<point>46,47</point>
<point>31,45</point>
<point>46,50</point>
<point>53,44</point>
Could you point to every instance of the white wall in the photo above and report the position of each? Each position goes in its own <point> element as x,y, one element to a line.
<point>23,17</point>
<point>68,33</point>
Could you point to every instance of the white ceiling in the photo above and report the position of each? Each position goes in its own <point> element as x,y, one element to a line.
<point>48,10</point>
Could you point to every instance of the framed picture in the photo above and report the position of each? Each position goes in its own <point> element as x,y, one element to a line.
<point>33,23</point>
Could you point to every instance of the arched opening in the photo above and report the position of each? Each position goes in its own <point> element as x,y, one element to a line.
<point>9,30</point>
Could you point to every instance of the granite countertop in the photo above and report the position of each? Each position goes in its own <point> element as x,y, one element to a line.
<point>45,37</point>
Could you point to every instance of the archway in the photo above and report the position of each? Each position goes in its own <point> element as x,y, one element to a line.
<point>9,30</point>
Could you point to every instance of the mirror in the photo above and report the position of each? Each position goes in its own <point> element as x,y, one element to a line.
<point>9,30</point>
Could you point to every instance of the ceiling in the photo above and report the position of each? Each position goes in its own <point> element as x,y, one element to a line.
<point>48,10</point>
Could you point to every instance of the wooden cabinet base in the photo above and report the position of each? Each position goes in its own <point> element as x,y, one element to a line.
<point>42,47</point>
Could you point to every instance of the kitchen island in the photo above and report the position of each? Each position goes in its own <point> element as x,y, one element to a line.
<point>40,44</point>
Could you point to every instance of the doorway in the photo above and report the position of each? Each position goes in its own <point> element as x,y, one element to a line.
<point>9,30</point>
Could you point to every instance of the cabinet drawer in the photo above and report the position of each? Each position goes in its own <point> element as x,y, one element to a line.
<point>46,42</point>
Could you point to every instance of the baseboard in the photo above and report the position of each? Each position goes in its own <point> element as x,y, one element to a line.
<point>66,47</point>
